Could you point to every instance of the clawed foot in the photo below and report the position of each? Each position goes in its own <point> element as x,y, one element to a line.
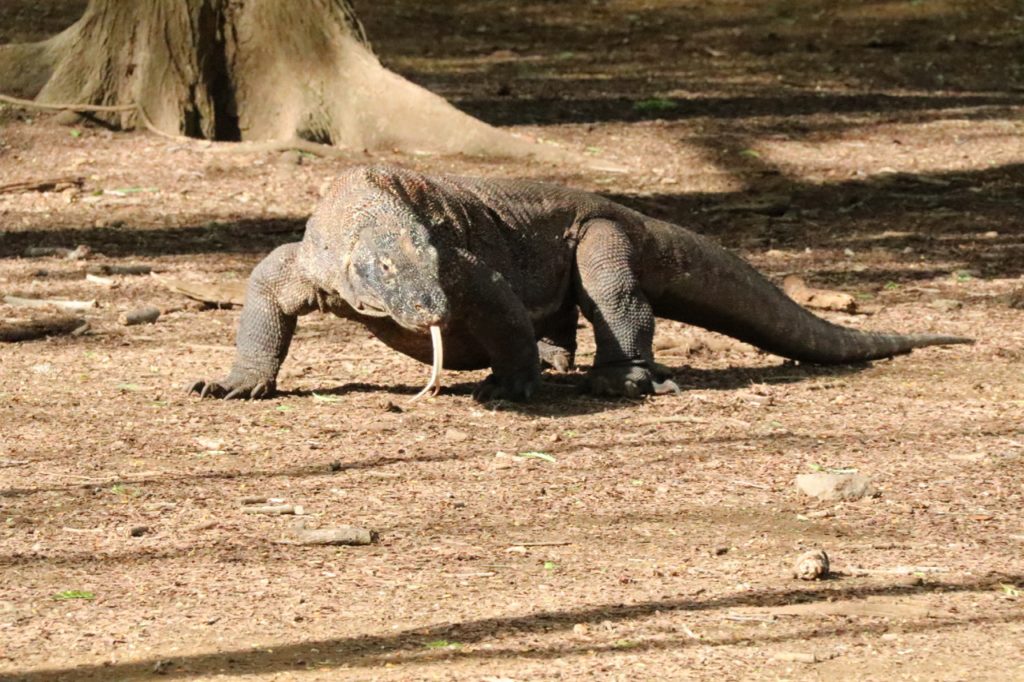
<point>516,388</point>
<point>556,357</point>
<point>631,381</point>
<point>233,388</point>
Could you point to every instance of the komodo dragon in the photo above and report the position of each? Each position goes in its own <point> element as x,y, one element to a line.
<point>494,272</point>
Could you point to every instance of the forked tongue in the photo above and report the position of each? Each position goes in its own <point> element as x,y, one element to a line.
<point>433,386</point>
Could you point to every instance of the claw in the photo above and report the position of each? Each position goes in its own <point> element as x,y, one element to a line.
<point>236,393</point>
<point>206,390</point>
<point>667,386</point>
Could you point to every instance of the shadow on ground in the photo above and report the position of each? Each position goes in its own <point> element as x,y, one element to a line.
<point>411,646</point>
<point>938,215</point>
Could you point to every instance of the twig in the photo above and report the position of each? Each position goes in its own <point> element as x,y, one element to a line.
<point>677,419</point>
<point>553,543</point>
<point>743,618</point>
<point>751,484</point>
<point>688,632</point>
<point>82,530</point>
<point>7,463</point>
<point>41,185</point>
<point>896,570</point>
<point>282,145</point>
<point>66,107</point>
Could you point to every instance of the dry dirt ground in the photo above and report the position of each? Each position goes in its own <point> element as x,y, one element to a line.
<point>874,148</point>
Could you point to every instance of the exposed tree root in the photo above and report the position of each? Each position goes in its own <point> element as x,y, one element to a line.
<point>296,75</point>
<point>32,104</point>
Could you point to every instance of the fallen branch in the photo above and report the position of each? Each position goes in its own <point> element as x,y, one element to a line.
<point>63,304</point>
<point>229,293</point>
<point>822,299</point>
<point>110,269</point>
<point>341,535</point>
<point>13,332</point>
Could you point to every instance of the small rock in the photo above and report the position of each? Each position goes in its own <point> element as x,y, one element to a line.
<point>912,581</point>
<point>1017,299</point>
<point>811,565</point>
<point>456,436</point>
<point>144,315</point>
<point>138,531</point>
<point>68,118</point>
<point>290,157</point>
<point>580,629</point>
<point>720,551</point>
<point>826,486</point>
<point>946,304</point>
<point>269,509</point>
<point>502,461</point>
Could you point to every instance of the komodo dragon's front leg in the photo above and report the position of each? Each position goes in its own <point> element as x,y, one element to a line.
<point>277,294</point>
<point>609,294</point>
<point>487,308</point>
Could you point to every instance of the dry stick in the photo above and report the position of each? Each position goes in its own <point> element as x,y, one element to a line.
<point>295,143</point>
<point>554,543</point>
<point>63,304</point>
<point>41,185</point>
<point>12,332</point>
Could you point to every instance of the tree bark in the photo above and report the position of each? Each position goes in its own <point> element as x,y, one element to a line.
<point>244,70</point>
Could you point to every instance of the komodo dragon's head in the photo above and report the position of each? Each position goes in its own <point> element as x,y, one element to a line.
<point>383,266</point>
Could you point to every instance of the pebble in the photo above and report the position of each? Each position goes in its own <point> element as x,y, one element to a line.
<point>826,486</point>
<point>812,565</point>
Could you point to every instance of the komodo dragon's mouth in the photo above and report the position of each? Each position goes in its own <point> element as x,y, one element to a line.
<point>370,310</point>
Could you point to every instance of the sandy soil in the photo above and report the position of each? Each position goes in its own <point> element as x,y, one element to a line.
<point>654,542</point>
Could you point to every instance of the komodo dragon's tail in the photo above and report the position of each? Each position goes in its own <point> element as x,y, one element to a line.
<point>691,279</point>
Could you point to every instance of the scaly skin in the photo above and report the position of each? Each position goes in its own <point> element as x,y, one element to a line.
<point>503,267</point>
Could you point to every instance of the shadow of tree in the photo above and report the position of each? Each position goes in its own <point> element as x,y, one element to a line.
<point>940,215</point>
<point>408,646</point>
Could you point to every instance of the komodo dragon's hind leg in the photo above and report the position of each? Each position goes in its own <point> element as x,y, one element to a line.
<point>609,295</point>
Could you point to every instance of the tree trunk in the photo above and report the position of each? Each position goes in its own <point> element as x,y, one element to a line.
<point>243,70</point>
